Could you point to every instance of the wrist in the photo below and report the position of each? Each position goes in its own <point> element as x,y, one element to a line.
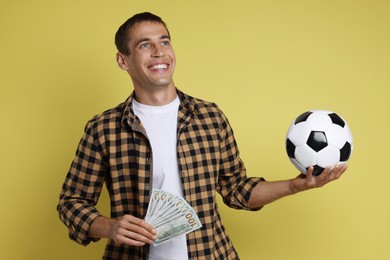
<point>293,187</point>
<point>110,227</point>
<point>102,227</point>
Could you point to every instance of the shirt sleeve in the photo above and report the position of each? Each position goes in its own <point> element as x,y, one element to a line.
<point>81,189</point>
<point>233,184</point>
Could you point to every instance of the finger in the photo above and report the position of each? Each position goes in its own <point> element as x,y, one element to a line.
<point>123,236</point>
<point>339,169</point>
<point>343,168</point>
<point>133,238</point>
<point>122,239</point>
<point>309,174</point>
<point>325,173</point>
<point>141,223</point>
<point>139,226</point>
<point>126,234</point>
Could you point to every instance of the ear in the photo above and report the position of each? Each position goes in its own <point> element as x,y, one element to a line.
<point>122,62</point>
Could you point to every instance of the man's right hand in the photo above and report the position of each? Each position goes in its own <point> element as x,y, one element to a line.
<point>132,231</point>
<point>128,230</point>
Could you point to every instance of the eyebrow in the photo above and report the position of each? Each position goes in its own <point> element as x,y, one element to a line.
<point>162,37</point>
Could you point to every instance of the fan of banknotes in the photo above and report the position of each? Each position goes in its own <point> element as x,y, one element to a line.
<point>170,215</point>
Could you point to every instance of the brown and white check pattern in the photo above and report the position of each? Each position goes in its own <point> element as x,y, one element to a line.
<point>115,150</point>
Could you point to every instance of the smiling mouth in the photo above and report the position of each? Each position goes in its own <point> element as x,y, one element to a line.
<point>158,67</point>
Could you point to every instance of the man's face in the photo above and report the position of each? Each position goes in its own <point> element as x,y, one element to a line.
<point>151,62</point>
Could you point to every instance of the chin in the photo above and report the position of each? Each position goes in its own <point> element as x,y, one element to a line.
<point>164,83</point>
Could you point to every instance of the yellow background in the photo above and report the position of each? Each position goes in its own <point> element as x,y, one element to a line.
<point>263,62</point>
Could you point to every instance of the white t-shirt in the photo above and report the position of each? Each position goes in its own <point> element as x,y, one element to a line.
<point>160,123</point>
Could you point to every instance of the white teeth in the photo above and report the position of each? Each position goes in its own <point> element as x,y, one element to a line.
<point>159,66</point>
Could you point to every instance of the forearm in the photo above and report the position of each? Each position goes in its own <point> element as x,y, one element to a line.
<point>266,192</point>
<point>101,227</point>
<point>77,216</point>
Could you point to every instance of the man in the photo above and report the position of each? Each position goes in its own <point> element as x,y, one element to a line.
<point>162,138</point>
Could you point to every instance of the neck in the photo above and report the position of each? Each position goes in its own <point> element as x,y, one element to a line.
<point>155,97</point>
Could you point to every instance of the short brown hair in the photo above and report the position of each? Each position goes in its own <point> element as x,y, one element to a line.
<point>121,36</point>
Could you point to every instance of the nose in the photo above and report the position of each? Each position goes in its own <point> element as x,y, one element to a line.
<point>158,51</point>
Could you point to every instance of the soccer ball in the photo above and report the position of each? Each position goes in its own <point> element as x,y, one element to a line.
<point>318,138</point>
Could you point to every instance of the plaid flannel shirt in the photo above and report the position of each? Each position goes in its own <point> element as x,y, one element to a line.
<point>115,150</point>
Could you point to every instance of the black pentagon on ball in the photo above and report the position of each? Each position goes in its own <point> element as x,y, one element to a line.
<point>317,170</point>
<point>345,152</point>
<point>290,147</point>
<point>317,140</point>
<point>303,117</point>
<point>336,119</point>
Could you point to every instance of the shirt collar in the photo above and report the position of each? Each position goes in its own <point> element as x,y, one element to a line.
<point>187,106</point>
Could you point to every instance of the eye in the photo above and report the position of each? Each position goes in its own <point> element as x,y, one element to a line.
<point>165,43</point>
<point>144,45</point>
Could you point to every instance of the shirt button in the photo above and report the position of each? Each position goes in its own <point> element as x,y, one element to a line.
<point>148,159</point>
<point>147,187</point>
